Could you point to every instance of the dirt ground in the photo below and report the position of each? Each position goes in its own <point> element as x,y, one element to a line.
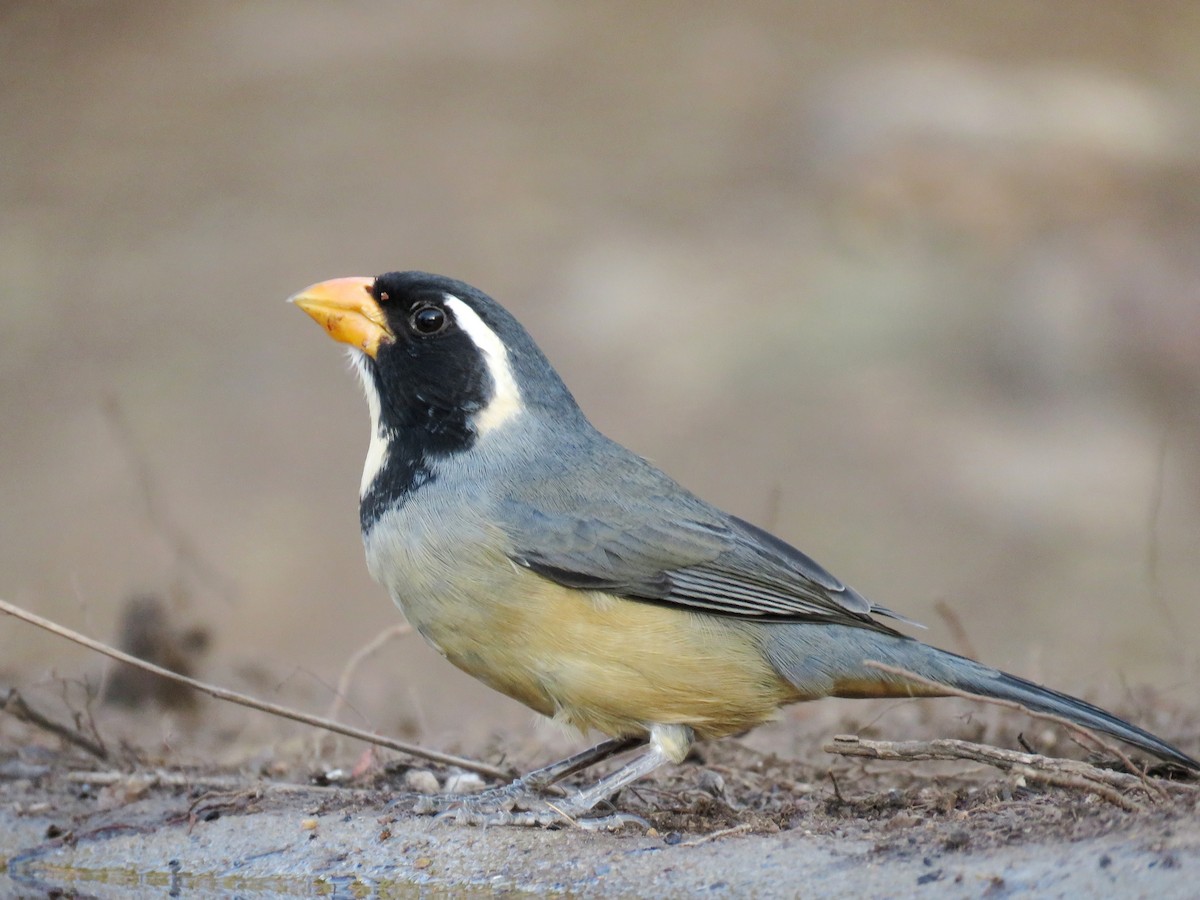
<point>309,817</point>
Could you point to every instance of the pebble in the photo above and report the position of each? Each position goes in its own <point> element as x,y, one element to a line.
<point>421,781</point>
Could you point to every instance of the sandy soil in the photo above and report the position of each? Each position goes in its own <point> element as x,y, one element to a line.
<point>346,843</point>
<point>735,819</point>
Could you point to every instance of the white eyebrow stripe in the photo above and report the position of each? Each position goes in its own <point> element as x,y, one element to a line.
<point>506,397</point>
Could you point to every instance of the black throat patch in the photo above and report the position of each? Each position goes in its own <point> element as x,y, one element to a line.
<point>420,422</point>
<point>406,469</point>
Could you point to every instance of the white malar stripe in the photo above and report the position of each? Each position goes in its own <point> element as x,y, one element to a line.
<point>506,398</point>
<point>377,450</point>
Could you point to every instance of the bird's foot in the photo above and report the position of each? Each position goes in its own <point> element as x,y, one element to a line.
<point>518,804</point>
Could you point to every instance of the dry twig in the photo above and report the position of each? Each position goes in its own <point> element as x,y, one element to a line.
<point>717,835</point>
<point>342,691</point>
<point>1083,734</point>
<point>214,782</point>
<point>1030,766</point>
<point>14,704</point>
<point>360,655</point>
<point>284,712</point>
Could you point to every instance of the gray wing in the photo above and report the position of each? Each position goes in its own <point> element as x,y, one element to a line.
<point>664,545</point>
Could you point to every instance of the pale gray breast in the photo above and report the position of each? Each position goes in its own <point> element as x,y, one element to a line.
<point>440,544</point>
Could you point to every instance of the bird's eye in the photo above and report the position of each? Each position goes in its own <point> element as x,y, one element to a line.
<point>428,320</point>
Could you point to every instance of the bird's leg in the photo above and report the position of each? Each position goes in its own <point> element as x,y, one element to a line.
<point>540,779</point>
<point>520,803</point>
<point>526,790</point>
<point>582,801</point>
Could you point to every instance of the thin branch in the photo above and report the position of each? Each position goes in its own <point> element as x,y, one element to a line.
<point>14,704</point>
<point>946,690</point>
<point>1031,766</point>
<point>161,778</point>
<point>342,691</point>
<point>262,706</point>
<point>717,835</point>
<point>570,820</point>
<point>363,652</point>
<point>837,791</point>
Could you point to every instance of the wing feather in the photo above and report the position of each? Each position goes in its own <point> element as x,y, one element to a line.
<point>662,544</point>
<point>716,564</point>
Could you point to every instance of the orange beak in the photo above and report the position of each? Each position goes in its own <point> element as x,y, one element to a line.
<point>346,309</point>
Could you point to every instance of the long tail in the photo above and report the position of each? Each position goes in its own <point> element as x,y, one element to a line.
<point>829,660</point>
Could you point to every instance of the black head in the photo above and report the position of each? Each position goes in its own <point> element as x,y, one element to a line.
<point>457,359</point>
<point>443,366</point>
<point>431,376</point>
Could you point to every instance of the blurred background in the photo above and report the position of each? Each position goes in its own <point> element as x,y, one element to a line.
<point>915,285</point>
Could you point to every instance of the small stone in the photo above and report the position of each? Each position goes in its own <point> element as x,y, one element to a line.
<point>464,783</point>
<point>421,781</point>
<point>308,824</point>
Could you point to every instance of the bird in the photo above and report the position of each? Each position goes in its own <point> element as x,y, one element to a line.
<point>565,571</point>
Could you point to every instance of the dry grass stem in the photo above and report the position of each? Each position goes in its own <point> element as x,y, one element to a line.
<point>360,656</point>
<point>570,820</point>
<point>213,782</point>
<point>955,626</point>
<point>717,835</point>
<point>273,709</point>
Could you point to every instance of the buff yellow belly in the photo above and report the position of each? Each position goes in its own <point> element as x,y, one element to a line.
<point>597,661</point>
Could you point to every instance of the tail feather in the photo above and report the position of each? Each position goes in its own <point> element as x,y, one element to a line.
<point>1046,700</point>
<point>822,663</point>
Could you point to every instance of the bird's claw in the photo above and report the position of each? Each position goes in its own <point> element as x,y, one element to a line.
<point>548,816</point>
<point>514,805</point>
<point>494,800</point>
